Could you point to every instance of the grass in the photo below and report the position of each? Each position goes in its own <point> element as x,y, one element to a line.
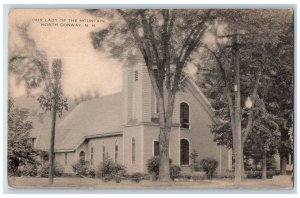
<point>83,183</point>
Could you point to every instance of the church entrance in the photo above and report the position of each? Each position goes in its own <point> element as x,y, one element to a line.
<point>184,152</point>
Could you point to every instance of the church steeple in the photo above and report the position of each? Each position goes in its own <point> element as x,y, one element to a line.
<point>137,94</point>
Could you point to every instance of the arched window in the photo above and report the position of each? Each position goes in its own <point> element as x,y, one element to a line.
<point>184,152</point>
<point>184,115</point>
<point>133,150</point>
<point>82,156</point>
<point>116,151</point>
<point>92,155</point>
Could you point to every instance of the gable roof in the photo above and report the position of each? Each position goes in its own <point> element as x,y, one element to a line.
<point>100,116</point>
<point>202,99</point>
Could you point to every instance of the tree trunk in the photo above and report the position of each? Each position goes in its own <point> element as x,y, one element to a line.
<point>264,166</point>
<point>165,118</point>
<point>164,164</point>
<point>51,153</point>
<point>283,162</point>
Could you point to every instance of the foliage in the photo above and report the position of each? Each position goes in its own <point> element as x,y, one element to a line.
<point>53,98</point>
<point>137,177</point>
<point>29,169</point>
<point>108,170</point>
<point>27,62</point>
<point>174,171</point>
<point>31,66</point>
<point>265,134</point>
<point>43,170</point>
<point>83,168</point>
<point>86,96</point>
<point>19,148</point>
<point>194,159</point>
<point>209,166</point>
<point>153,166</point>
<point>263,38</point>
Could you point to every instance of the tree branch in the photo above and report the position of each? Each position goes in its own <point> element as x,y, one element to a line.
<point>249,127</point>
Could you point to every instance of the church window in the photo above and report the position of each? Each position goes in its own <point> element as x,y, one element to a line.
<point>116,152</point>
<point>133,150</point>
<point>184,115</point>
<point>136,75</point>
<point>92,155</point>
<point>156,148</point>
<point>82,156</point>
<point>103,153</point>
<point>66,158</point>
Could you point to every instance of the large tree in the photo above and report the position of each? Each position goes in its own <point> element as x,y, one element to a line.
<point>245,58</point>
<point>165,39</point>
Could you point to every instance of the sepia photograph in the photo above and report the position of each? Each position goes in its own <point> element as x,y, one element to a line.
<point>150,98</point>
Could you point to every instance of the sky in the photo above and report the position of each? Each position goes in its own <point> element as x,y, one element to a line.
<point>84,68</point>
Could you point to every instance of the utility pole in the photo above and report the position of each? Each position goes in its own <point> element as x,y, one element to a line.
<point>237,128</point>
<point>237,111</point>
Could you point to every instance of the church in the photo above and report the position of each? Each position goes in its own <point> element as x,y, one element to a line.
<point>125,126</point>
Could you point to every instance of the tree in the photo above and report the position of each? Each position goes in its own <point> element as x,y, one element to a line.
<point>280,102</point>
<point>262,142</point>
<point>19,148</point>
<point>251,36</point>
<point>53,100</point>
<point>30,65</point>
<point>165,39</point>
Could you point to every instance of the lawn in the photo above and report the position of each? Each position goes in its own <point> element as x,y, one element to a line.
<point>279,182</point>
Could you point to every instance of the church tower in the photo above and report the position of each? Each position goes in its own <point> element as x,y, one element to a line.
<point>136,94</point>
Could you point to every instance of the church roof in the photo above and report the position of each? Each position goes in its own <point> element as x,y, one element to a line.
<point>102,116</point>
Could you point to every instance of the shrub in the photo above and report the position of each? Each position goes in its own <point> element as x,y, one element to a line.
<point>228,174</point>
<point>81,167</point>
<point>209,166</point>
<point>137,177</point>
<point>91,172</point>
<point>29,170</point>
<point>194,159</point>
<point>109,170</point>
<point>153,166</point>
<point>43,170</point>
<point>174,171</point>
<point>258,174</point>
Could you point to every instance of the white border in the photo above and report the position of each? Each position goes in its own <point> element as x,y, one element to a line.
<point>3,85</point>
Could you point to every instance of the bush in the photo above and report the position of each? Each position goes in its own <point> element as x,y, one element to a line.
<point>153,167</point>
<point>258,174</point>
<point>229,174</point>
<point>43,170</point>
<point>109,170</point>
<point>174,172</point>
<point>137,177</point>
<point>29,170</point>
<point>91,172</point>
<point>83,168</point>
<point>194,160</point>
<point>209,166</point>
